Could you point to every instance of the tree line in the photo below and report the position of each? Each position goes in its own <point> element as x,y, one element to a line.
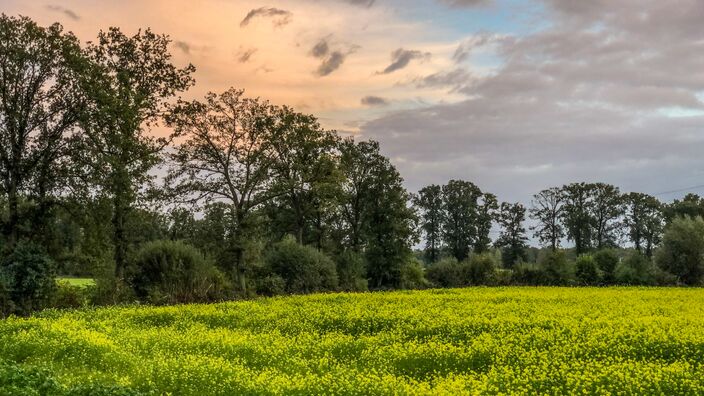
<point>106,172</point>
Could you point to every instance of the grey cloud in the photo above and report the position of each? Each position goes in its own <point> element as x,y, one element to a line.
<point>245,55</point>
<point>585,99</point>
<point>320,49</point>
<point>280,17</point>
<point>69,13</point>
<point>183,46</point>
<point>364,3</point>
<point>457,79</point>
<point>374,101</point>
<point>464,50</point>
<point>401,58</point>
<point>331,63</point>
<point>465,3</point>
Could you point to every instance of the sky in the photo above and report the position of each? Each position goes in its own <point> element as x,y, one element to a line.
<point>514,95</point>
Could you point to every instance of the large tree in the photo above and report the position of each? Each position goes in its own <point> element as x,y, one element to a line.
<point>643,220</point>
<point>577,214</point>
<point>460,205</point>
<point>225,156</point>
<point>39,103</point>
<point>128,87</point>
<point>513,238</point>
<point>487,211</point>
<point>546,209</point>
<point>428,201</point>
<point>607,210</point>
<point>304,174</point>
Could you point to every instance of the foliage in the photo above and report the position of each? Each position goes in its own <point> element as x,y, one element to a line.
<point>557,269</point>
<point>351,271</point>
<point>174,272</point>
<point>429,203</point>
<point>587,270</point>
<point>445,273</point>
<point>682,250</point>
<point>460,208</point>
<point>29,275</point>
<point>512,238</point>
<point>413,275</point>
<point>546,209</point>
<point>488,341</point>
<point>607,260</point>
<point>635,269</point>
<point>303,269</point>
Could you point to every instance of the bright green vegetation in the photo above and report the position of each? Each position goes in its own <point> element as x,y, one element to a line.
<point>77,282</point>
<point>478,340</point>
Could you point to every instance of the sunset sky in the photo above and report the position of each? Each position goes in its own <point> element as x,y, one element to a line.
<point>515,95</point>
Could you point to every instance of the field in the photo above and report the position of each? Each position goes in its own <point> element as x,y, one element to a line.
<point>479,340</point>
<point>77,282</point>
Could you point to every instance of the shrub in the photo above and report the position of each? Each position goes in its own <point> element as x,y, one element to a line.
<point>71,296</point>
<point>351,271</point>
<point>635,269</point>
<point>528,274</point>
<point>480,269</point>
<point>557,269</point>
<point>29,277</point>
<point>606,260</point>
<point>413,276</point>
<point>586,270</point>
<point>174,272</point>
<point>445,273</point>
<point>682,250</point>
<point>271,285</point>
<point>303,268</point>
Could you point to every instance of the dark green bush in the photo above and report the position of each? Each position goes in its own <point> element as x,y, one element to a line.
<point>636,269</point>
<point>70,296</point>
<point>413,276</point>
<point>682,250</point>
<point>480,269</point>
<point>557,269</point>
<point>587,271</point>
<point>445,273</point>
<point>174,272</point>
<point>303,268</point>
<point>351,271</point>
<point>531,274</point>
<point>606,261</point>
<point>271,285</point>
<point>29,277</point>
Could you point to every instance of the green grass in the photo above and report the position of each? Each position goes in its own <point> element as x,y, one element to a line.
<point>78,282</point>
<point>470,341</point>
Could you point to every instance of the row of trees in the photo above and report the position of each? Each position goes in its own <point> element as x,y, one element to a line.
<point>106,172</point>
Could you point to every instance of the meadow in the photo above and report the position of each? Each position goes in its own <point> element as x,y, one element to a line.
<point>474,341</point>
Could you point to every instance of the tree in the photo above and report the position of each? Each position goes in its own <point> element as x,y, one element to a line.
<point>512,238</point>
<point>304,176</point>
<point>128,87</point>
<point>429,203</point>
<point>459,229</point>
<point>586,270</point>
<point>682,250</point>
<point>606,210</point>
<point>546,209</point>
<point>691,205</point>
<point>643,221</point>
<point>38,109</point>
<point>226,157</point>
<point>486,213</point>
<point>577,216</point>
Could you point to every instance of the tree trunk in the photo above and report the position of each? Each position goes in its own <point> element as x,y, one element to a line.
<point>119,215</point>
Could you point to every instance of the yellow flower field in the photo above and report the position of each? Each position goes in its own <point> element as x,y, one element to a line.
<point>470,341</point>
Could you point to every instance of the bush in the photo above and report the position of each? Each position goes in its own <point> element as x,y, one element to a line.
<point>351,271</point>
<point>303,268</point>
<point>606,260</point>
<point>70,296</point>
<point>636,269</point>
<point>445,273</point>
<point>557,269</point>
<point>6,304</point>
<point>412,275</point>
<point>271,285</point>
<point>174,272</point>
<point>586,270</point>
<point>528,274</point>
<point>682,250</point>
<point>29,277</point>
<point>480,269</point>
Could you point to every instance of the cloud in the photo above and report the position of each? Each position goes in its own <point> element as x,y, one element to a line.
<point>465,3</point>
<point>320,49</point>
<point>244,55</point>
<point>401,58</point>
<point>69,13</point>
<point>466,47</point>
<point>331,63</point>
<point>374,101</point>
<point>183,46</point>
<point>280,17</point>
<point>599,94</point>
<point>364,3</point>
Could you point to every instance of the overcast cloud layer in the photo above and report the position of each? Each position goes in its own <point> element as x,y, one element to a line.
<point>515,95</point>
